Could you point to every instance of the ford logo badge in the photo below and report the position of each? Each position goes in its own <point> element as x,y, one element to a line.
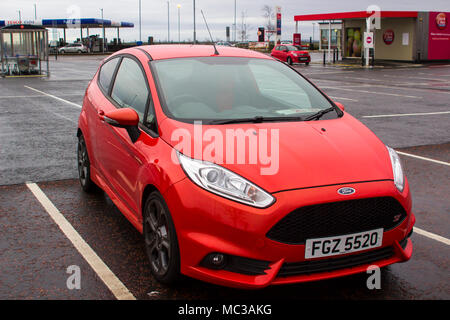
<point>345,191</point>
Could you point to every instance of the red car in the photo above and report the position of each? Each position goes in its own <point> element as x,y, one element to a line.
<point>238,170</point>
<point>291,54</point>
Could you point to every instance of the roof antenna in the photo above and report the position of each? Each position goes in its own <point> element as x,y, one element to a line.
<point>214,44</point>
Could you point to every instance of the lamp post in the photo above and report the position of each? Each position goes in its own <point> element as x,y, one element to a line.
<point>235,27</point>
<point>103,28</point>
<point>168,22</point>
<point>140,22</point>
<point>194,24</point>
<point>20,16</point>
<point>179,33</point>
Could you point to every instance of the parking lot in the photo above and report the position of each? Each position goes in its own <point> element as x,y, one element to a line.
<point>407,106</point>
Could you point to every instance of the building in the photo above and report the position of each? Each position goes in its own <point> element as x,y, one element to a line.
<point>400,35</point>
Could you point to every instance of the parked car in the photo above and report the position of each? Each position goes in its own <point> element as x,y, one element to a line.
<point>291,54</point>
<point>73,48</point>
<point>223,43</point>
<point>243,45</point>
<point>330,201</point>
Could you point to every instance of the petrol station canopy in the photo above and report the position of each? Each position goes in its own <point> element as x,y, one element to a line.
<point>71,23</point>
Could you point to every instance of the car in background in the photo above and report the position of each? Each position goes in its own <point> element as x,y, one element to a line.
<point>73,48</point>
<point>223,43</point>
<point>242,45</point>
<point>286,42</point>
<point>291,54</point>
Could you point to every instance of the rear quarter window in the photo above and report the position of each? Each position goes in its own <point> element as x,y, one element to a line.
<point>106,73</point>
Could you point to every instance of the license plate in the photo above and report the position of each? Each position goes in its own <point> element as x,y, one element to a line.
<point>332,246</point>
<point>303,59</point>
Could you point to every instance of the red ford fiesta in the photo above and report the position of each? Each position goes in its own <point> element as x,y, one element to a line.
<point>238,170</point>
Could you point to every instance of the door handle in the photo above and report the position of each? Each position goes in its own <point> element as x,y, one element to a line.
<point>101,115</point>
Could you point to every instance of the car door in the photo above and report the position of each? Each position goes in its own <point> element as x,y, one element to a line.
<point>283,55</point>
<point>119,159</point>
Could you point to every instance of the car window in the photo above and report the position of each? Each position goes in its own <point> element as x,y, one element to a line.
<point>130,87</point>
<point>282,48</point>
<point>106,73</point>
<point>292,48</point>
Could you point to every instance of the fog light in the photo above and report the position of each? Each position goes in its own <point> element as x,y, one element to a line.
<point>217,259</point>
<point>214,261</point>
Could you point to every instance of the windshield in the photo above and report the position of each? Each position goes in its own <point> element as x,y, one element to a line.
<point>221,88</point>
<point>292,48</point>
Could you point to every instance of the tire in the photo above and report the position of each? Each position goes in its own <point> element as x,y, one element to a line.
<point>84,167</point>
<point>289,61</point>
<point>80,52</point>
<point>160,240</point>
<point>307,63</point>
<point>62,52</point>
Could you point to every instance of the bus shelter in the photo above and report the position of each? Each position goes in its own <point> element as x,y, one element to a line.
<point>24,50</point>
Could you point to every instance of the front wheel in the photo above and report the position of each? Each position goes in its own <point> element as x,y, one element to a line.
<point>289,61</point>
<point>160,240</point>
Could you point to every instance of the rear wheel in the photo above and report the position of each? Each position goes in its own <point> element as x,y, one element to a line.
<point>307,63</point>
<point>289,61</point>
<point>161,243</point>
<point>84,166</point>
<point>79,51</point>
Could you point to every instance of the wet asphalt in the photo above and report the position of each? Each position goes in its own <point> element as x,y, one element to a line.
<point>38,144</point>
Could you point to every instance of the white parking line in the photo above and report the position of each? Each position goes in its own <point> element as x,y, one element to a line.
<point>423,158</point>
<point>54,97</point>
<point>432,236</point>
<point>406,114</point>
<point>373,92</point>
<point>340,98</point>
<point>117,288</point>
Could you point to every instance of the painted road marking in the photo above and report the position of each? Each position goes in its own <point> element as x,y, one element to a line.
<point>432,236</point>
<point>117,288</point>
<point>373,92</point>
<point>340,98</point>
<point>39,96</point>
<point>423,158</point>
<point>406,114</point>
<point>54,97</point>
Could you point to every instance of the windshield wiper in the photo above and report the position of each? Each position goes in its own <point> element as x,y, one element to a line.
<point>318,115</point>
<point>257,119</point>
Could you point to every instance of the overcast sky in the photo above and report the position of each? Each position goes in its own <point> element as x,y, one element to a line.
<point>218,13</point>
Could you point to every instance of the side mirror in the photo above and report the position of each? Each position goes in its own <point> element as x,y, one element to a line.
<point>126,118</point>
<point>340,105</point>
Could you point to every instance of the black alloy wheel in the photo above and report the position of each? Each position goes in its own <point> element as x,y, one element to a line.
<point>161,242</point>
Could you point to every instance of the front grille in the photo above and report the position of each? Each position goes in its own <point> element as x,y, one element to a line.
<point>309,267</point>
<point>337,218</point>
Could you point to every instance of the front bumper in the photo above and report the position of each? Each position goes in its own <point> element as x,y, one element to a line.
<point>302,59</point>
<point>207,223</point>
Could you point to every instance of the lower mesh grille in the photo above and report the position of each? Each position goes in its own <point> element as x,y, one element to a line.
<point>308,267</point>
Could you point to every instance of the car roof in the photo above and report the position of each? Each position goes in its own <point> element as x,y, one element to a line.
<point>159,52</point>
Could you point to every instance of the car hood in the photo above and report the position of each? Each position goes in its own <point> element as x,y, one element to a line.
<point>300,52</point>
<point>309,154</point>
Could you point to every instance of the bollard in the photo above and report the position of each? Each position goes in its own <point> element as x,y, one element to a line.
<point>334,55</point>
<point>324,57</point>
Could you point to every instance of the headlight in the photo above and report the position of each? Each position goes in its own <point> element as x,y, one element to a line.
<point>225,183</point>
<point>399,178</point>
<point>295,54</point>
